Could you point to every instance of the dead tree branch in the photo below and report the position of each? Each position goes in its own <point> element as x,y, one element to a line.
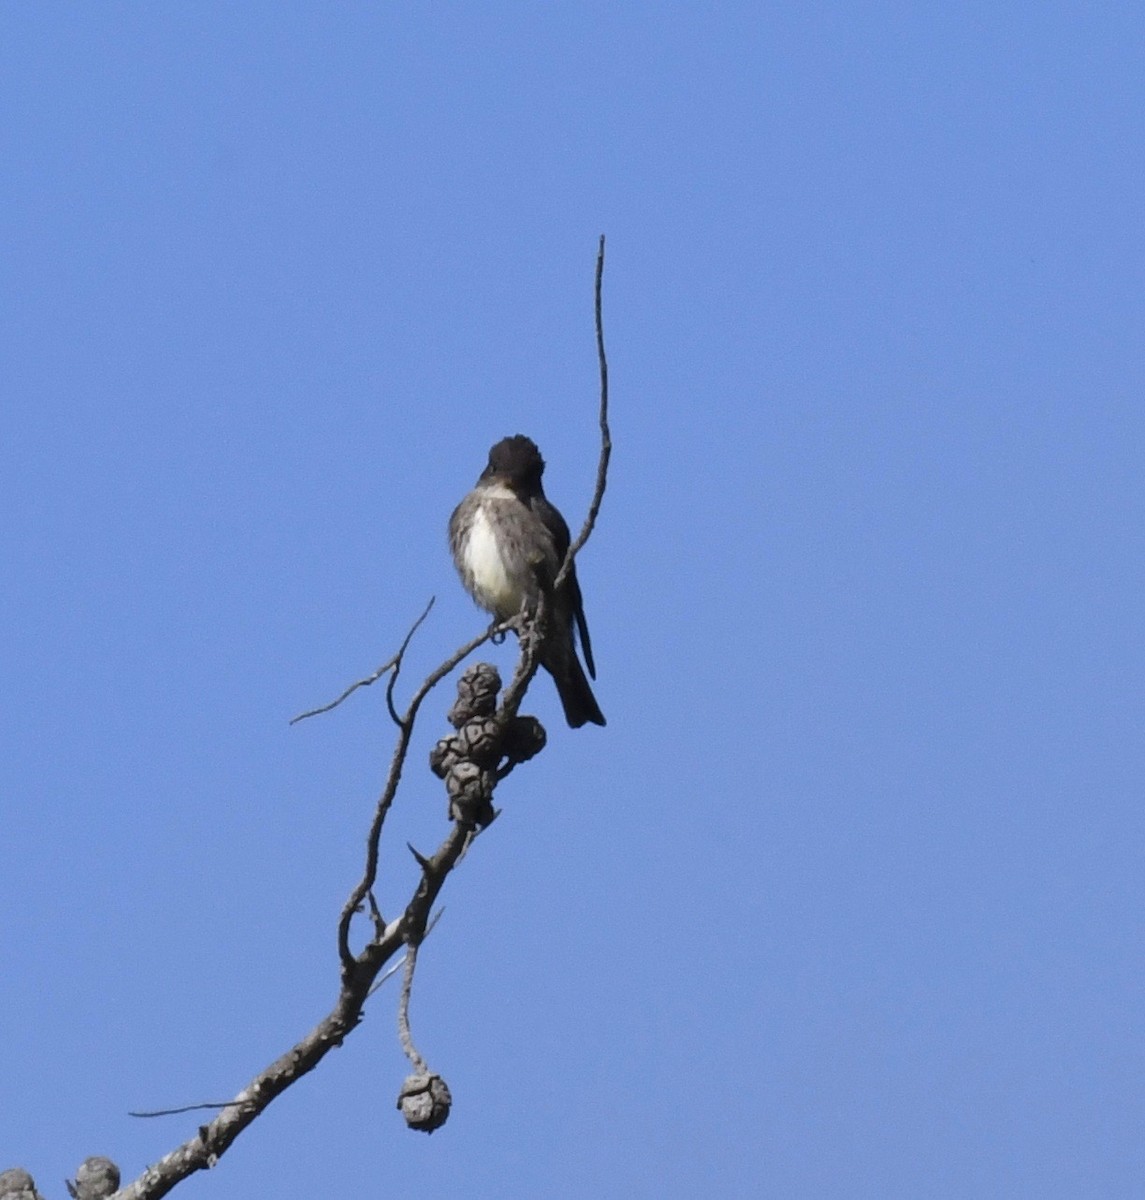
<point>490,738</point>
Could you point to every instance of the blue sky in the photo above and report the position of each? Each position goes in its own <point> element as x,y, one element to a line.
<point>845,901</point>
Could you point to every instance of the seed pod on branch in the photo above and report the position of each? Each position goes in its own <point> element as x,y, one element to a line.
<point>425,1101</point>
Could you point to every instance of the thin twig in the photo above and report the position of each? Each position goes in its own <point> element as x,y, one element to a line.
<point>393,664</point>
<point>398,663</point>
<point>376,914</point>
<point>530,637</point>
<point>605,435</point>
<point>457,657</point>
<point>390,972</point>
<point>530,646</point>
<point>186,1108</point>
<point>404,1035</point>
<point>389,791</point>
<point>325,708</point>
<point>386,975</point>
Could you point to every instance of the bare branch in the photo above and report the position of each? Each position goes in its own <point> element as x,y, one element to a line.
<point>605,434</point>
<point>389,791</point>
<point>393,664</point>
<point>186,1108</point>
<point>398,663</point>
<point>404,1035</point>
<point>376,914</point>
<point>369,679</point>
<point>454,660</point>
<point>364,972</point>
<point>212,1140</point>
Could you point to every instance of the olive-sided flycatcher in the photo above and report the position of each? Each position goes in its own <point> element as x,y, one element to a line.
<point>508,544</point>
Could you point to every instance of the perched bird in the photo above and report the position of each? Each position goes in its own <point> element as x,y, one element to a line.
<point>508,544</point>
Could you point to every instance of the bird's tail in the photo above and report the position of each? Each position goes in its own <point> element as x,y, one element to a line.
<point>573,688</point>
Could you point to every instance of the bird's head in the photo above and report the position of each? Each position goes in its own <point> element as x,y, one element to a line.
<point>517,462</point>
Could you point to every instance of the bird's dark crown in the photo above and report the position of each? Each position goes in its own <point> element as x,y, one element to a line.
<point>516,459</point>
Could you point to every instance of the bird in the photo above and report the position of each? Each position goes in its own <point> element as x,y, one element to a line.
<point>508,544</point>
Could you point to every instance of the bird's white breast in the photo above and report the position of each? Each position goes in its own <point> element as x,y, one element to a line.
<point>486,568</point>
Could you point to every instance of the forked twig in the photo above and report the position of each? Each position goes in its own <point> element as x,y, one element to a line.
<point>394,664</point>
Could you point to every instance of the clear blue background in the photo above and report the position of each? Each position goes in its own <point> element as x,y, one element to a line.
<point>846,900</point>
